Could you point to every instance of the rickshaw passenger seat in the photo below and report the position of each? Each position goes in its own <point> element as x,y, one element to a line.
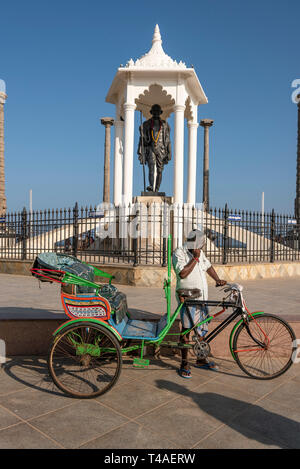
<point>138,329</point>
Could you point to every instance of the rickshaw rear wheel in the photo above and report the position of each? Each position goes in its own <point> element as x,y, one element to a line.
<point>85,360</point>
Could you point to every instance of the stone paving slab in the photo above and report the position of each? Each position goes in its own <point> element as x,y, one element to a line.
<point>268,418</point>
<point>152,408</point>
<point>130,435</point>
<point>228,438</point>
<point>78,423</point>
<point>24,436</point>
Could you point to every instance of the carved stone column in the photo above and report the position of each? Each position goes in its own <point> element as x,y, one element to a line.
<point>206,123</point>
<point>129,109</point>
<point>2,173</point>
<point>192,164</point>
<point>118,162</point>
<point>107,122</point>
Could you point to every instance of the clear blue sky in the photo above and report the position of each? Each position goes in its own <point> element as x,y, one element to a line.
<point>58,59</point>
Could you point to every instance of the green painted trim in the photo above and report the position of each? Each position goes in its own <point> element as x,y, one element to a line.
<point>130,349</point>
<point>197,325</point>
<point>140,362</point>
<point>142,349</point>
<point>167,282</point>
<point>166,329</point>
<point>235,328</point>
<point>168,292</point>
<point>95,321</point>
<point>74,280</point>
<point>101,273</point>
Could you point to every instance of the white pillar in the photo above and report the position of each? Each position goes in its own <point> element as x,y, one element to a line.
<point>192,162</point>
<point>128,152</point>
<point>178,152</point>
<point>118,162</point>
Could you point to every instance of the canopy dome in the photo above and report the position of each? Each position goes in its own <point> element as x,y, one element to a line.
<point>156,57</point>
<point>158,74</point>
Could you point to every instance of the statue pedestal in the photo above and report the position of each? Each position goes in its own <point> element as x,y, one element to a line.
<point>152,198</point>
<point>153,194</point>
<point>153,220</point>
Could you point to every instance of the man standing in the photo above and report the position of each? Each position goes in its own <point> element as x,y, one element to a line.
<point>155,147</point>
<point>191,265</point>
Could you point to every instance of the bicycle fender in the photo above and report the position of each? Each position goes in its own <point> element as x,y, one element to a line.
<point>257,313</point>
<point>94,321</point>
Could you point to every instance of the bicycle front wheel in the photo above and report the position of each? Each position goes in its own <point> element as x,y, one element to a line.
<point>263,348</point>
<point>85,360</point>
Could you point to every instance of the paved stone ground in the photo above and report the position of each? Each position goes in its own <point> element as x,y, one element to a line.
<point>22,296</point>
<point>150,408</point>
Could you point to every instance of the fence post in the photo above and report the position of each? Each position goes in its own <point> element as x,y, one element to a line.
<point>272,236</point>
<point>164,253</point>
<point>225,235</point>
<point>75,230</point>
<point>135,251</point>
<point>165,234</point>
<point>24,233</point>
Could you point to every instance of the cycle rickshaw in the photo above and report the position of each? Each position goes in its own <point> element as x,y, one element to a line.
<point>85,356</point>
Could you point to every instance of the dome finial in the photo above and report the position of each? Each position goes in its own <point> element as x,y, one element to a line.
<point>156,35</point>
<point>156,57</point>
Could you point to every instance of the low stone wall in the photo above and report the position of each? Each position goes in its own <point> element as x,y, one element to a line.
<point>34,336</point>
<point>258,271</point>
<point>15,267</point>
<point>153,276</point>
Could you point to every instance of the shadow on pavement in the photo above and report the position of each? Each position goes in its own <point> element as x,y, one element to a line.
<point>243,417</point>
<point>32,372</point>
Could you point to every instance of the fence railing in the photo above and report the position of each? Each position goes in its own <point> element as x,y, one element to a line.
<point>137,234</point>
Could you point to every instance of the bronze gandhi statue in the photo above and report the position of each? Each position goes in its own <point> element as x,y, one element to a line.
<point>155,146</point>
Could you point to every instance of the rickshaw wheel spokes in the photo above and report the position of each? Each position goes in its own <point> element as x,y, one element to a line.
<point>86,370</point>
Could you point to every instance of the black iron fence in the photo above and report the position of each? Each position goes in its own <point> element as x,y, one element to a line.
<point>137,234</point>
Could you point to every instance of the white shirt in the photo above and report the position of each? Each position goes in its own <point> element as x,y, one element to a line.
<point>197,278</point>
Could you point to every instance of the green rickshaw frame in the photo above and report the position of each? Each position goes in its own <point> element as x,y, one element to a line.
<point>239,310</point>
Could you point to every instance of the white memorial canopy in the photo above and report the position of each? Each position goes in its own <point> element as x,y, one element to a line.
<point>155,78</point>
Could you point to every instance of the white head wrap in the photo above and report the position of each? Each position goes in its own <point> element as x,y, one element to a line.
<point>195,240</point>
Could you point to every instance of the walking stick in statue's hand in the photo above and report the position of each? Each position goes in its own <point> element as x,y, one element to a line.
<point>143,152</point>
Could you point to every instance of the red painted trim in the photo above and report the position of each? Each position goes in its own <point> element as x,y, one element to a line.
<point>257,323</point>
<point>80,298</point>
<point>250,350</point>
<point>87,319</point>
<point>217,314</point>
<point>37,272</point>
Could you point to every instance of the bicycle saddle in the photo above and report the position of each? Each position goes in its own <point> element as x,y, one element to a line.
<point>190,293</point>
<point>233,286</point>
